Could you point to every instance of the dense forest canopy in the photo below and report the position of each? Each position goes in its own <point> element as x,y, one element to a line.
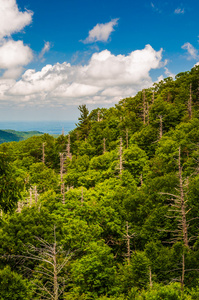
<point>109,211</point>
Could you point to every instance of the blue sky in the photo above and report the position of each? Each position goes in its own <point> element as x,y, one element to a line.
<point>56,55</point>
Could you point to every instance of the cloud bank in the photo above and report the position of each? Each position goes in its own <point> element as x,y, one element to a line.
<point>101,32</point>
<point>105,79</point>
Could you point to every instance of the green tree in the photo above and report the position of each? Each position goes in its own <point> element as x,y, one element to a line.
<point>13,286</point>
<point>84,122</point>
<point>10,184</point>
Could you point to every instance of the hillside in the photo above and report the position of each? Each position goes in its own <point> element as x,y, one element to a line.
<point>15,136</point>
<point>109,211</point>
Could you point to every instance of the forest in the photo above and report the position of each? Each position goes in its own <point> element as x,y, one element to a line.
<point>110,210</point>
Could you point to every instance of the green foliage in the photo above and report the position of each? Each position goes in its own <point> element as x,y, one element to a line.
<point>98,190</point>
<point>158,292</point>
<point>13,286</point>
<point>94,273</point>
<point>10,184</point>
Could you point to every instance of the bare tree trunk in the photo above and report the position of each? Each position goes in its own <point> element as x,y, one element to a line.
<point>56,286</point>
<point>147,113</point>
<point>128,244</point>
<point>150,278</point>
<point>98,116</point>
<point>144,108</point>
<point>161,127</point>
<point>30,197</point>
<point>68,153</point>
<point>52,259</point>
<point>104,145</point>
<point>120,154</point>
<point>183,271</point>
<point>43,153</point>
<point>128,239</point>
<point>36,194</point>
<point>82,196</point>
<point>190,102</point>
<point>61,175</point>
<point>18,208</point>
<point>153,97</point>
<point>141,180</point>
<point>183,206</point>
<point>127,138</point>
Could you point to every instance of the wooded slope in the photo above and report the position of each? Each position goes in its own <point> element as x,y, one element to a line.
<point>109,211</point>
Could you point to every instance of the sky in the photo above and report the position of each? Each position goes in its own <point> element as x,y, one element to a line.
<point>57,55</point>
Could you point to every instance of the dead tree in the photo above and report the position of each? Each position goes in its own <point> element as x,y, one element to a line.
<point>104,145</point>
<point>43,153</point>
<point>141,179</point>
<point>161,127</point>
<point>82,196</point>
<point>121,157</point>
<point>52,259</point>
<point>30,197</point>
<point>190,102</point>
<point>19,207</point>
<point>153,97</point>
<point>179,209</point>
<point>128,238</point>
<point>62,160</point>
<point>150,278</point>
<point>147,113</point>
<point>98,116</point>
<point>35,194</point>
<point>144,107</point>
<point>127,138</point>
<point>68,153</point>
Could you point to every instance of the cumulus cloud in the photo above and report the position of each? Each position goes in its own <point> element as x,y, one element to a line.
<point>101,32</point>
<point>193,53</point>
<point>14,54</point>
<point>13,73</point>
<point>11,19</point>
<point>105,78</point>
<point>45,49</point>
<point>179,11</point>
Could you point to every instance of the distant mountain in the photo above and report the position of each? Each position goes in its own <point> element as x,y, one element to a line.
<point>9,135</point>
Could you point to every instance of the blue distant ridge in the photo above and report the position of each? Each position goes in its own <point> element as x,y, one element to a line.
<point>50,127</point>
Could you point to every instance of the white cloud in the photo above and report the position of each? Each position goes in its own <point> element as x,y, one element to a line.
<point>13,73</point>
<point>193,53</point>
<point>179,11</point>
<point>45,49</point>
<point>168,73</point>
<point>11,19</point>
<point>14,54</point>
<point>105,79</point>
<point>101,32</point>
<point>160,78</point>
